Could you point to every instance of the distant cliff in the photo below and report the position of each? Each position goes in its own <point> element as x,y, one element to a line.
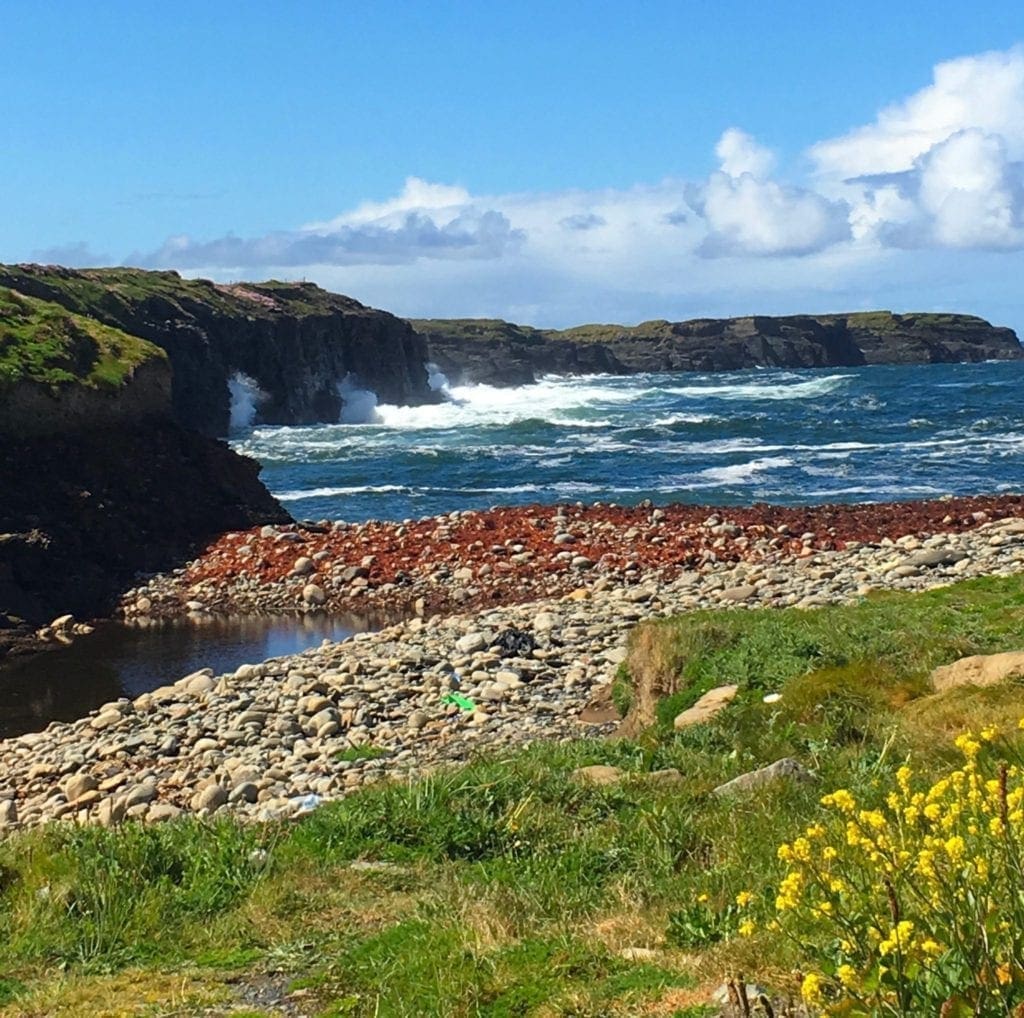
<point>502,353</point>
<point>97,480</point>
<point>297,341</point>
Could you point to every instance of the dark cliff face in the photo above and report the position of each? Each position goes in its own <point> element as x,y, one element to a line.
<point>82,511</point>
<point>501,353</point>
<point>97,479</point>
<point>930,339</point>
<point>296,341</point>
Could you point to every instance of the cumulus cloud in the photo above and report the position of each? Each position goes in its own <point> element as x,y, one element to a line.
<point>424,221</point>
<point>582,221</point>
<point>941,168</point>
<point>963,193</point>
<point>985,91</point>
<point>739,154</point>
<point>933,185</point>
<point>749,215</point>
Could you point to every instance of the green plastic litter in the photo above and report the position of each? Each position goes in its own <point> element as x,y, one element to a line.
<point>457,698</point>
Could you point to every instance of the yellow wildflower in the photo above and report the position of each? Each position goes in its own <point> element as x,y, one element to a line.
<point>810,988</point>
<point>955,847</point>
<point>847,976</point>
<point>843,800</point>
<point>967,745</point>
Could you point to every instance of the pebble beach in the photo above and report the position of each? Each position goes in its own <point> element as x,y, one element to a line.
<point>509,626</point>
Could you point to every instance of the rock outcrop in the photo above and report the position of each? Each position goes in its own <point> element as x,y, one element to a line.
<point>501,353</point>
<point>97,480</point>
<point>296,341</point>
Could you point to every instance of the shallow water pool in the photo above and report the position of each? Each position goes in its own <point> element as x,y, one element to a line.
<point>115,661</point>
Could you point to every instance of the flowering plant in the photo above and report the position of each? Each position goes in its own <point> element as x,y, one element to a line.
<point>917,907</point>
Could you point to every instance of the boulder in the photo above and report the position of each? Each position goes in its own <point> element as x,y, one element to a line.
<point>212,798</point>
<point>979,670</point>
<point>744,592</point>
<point>711,703</point>
<point>78,785</point>
<point>471,643</point>
<point>597,774</point>
<point>314,595</point>
<point>786,769</point>
<point>111,811</point>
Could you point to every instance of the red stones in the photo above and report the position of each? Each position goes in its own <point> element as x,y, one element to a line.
<point>518,545</point>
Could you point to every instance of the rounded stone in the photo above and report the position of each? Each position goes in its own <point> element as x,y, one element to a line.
<point>314,595</point>
<point>212,798</point>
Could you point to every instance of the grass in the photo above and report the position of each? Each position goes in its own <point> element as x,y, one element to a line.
<point>881,650</point>
<point>42,342</point>
<point>504,887</point>
<point>123,296</point>
<point>886,321</point>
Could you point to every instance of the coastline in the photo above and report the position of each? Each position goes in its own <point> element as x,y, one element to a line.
<point>471,560</point>
<point>518,661</point>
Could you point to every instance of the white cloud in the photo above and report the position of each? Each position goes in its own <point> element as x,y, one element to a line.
<point>985,91</point>
<point>738,153</point>
<point>941,168</point>
<point>747,214</point>
<point>424,221</point>
<point>417,195</point>
<point>970,192</point>
<point>758,218</point>
<point>75,254</point>
<point>934,181</point>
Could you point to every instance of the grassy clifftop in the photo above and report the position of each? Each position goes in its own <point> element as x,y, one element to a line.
<point>43,343</point>
<point>110,293</point>
<point>884,322</point>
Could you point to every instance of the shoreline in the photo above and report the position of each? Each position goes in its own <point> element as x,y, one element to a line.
<point>272,739</point>
<point>471,560</point>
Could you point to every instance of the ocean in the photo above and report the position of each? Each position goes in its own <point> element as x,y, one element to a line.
<point>780,436</point>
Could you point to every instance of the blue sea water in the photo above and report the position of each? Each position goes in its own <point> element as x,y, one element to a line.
<point>787,437</point>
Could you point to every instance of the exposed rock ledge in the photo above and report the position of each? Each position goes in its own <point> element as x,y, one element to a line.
<point>295,340</point>
<point>502,353</point>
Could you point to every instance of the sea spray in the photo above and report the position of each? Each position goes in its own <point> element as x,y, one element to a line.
<point>437,379</point>
<point>246,397</point>
<point>358,405</point>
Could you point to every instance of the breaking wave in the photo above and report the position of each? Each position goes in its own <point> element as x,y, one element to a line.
<point>779,436</point>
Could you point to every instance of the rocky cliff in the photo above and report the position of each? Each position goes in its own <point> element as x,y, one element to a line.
<point>97,480</point>
<point>502,353</point>
<point>295,340</point>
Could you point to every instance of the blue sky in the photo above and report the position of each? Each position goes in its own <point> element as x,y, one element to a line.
<point>547,163</point>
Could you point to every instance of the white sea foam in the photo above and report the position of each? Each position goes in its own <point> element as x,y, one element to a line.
<point>781,389</point>
<point>358,405</point>
<point>469,406</point>
<point>743,473</point>
<point>356,489</point>
<point>246,397</point>
<point>674,419</point>
<point>437,379</point>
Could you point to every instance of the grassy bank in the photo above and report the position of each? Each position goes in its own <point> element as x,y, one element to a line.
<point>42,342</point>
<point>507,887</point>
